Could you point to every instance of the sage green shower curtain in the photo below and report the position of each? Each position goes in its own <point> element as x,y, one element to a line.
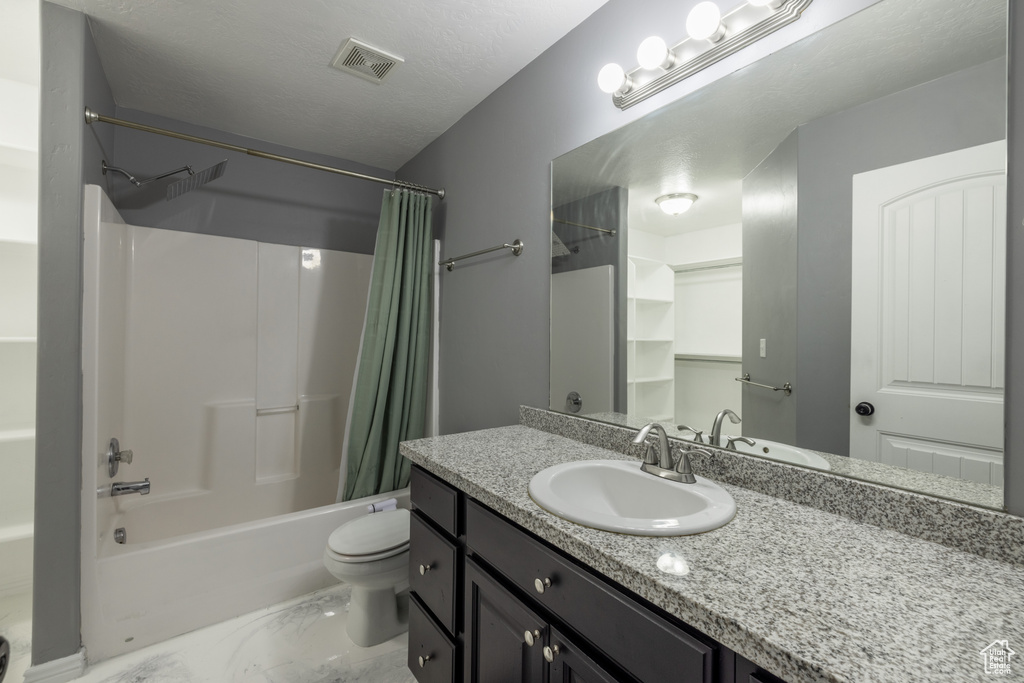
<point>390,396</point>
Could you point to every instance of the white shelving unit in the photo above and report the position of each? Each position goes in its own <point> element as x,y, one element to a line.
<point>19,134</point>
<point>650,339</point>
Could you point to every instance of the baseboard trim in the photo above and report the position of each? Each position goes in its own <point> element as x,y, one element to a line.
<point>59,670</point>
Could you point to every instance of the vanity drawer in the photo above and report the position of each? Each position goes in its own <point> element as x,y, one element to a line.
<point>428,641</point>
<point>435,499</point>
<point>437,556</point>
<point>649,647</point>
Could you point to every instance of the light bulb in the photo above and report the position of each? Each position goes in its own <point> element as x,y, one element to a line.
<point>767,3</point>
<point>675,204</point>
<point>612,79</point>
<point>653,53</point>
<point>705,22</point>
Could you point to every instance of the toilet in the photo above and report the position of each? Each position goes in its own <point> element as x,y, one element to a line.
<point>372,554</point>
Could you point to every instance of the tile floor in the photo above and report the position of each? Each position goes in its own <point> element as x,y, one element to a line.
<point>300,641</point>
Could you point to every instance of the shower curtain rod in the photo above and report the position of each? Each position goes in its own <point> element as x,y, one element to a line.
<point>92,117</point>
<point>582,225</point>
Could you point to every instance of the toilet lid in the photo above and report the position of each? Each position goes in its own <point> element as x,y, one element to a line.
<point>371,535</point>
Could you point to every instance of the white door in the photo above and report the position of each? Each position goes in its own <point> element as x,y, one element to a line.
<point>928,307</point>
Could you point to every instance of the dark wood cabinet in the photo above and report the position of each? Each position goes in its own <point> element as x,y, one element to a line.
<point>494,603</point>
<point>497,647</point>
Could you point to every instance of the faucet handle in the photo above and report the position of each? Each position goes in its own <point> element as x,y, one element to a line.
<point>698,435</point>
<point>731,445</point>
<point>684,468</point>
<point>649,457</point>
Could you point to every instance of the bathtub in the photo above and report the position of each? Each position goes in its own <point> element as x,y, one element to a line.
<point>146,592</point>
<point>241,442</point>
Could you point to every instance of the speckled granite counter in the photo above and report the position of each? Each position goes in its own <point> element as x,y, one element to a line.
<point>809,595</point>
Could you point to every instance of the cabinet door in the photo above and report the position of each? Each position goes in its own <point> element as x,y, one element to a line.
<point>495,643</point>
<point>569,665</point>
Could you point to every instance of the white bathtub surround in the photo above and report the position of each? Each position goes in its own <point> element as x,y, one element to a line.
<point>225,366</point>
<point>300,641</point>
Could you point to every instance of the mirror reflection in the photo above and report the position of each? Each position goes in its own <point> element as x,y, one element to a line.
<point>842,253</point>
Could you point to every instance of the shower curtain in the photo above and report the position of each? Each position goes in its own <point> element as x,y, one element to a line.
<point>389,395</point>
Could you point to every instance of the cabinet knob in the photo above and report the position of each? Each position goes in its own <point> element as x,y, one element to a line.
<point>424,660</point>
<point>531,637</point>
<point>541,584</point>
<point>424,568</point>
<point>550,652</point>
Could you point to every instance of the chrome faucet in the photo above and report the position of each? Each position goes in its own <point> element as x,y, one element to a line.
<point>716,430</point>
<point>123,488</point>
<point>664,453</point>
<point>665,466</point>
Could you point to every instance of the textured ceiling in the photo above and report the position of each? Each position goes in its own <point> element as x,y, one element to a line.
<point>260,67</point>
<point>707,142</point>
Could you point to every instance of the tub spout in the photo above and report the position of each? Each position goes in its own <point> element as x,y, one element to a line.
<point>123,488</point>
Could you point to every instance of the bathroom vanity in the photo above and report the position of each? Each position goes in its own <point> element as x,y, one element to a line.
<point>504,591</point>
<point>493,602</point>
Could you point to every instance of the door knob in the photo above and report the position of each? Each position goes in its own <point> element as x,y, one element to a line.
<point>864,409</point>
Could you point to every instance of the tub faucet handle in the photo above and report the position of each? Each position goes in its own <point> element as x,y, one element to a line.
<point>115,456</point>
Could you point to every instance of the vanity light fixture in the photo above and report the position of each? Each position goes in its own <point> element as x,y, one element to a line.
<point>675,204</point>
<point>711,37</point>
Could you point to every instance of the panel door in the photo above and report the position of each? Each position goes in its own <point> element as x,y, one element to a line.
<point>570,665</point>
<point>928,313</point>
<point>496,647</point>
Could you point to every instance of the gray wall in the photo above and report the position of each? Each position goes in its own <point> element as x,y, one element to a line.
<point>255,199</point>
<point>1014,426</point>
<point>770,198</point>
<point>495,164</point>
<point>69,154</point>
<point>961,110</point>
<point>608,210</point>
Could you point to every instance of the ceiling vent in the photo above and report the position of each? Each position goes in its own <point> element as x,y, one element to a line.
<point>365,61</point>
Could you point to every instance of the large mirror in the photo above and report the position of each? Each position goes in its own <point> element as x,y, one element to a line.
<point>839,280</point>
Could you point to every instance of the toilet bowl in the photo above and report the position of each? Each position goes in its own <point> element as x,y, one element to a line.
<point>372,555</point>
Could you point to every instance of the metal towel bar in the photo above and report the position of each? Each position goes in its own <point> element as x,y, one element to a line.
<point>787,388</point>
<point>516,247</point>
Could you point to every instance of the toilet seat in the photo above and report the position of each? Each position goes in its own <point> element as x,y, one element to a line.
<point>374,537</point>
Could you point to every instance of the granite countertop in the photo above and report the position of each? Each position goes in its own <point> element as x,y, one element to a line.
<point>808,595</point>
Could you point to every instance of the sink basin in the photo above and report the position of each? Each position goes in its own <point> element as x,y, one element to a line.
<point>782,453</point>
<point>615,495</point>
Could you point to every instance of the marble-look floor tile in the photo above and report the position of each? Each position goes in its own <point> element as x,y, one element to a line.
<point>16,627</point>
<point>301,641</point>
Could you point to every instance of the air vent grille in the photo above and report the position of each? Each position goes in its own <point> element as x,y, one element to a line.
<point>365,61</point>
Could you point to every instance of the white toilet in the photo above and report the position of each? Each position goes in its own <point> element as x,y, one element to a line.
<point>372,554</point>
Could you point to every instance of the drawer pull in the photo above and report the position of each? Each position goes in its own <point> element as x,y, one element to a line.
<point>424,568</point>
<point>550,652</point>
<point>424,660</point>
<point>540,585</point>
<point>530,637</point>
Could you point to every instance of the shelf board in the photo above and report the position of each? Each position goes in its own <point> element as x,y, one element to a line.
<point>653,380</point>
<point>653,341</point>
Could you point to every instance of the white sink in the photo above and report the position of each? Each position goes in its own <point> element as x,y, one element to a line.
<point>615,495</point>
<point>781,452</point>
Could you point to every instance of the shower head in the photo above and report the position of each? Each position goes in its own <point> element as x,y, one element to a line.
<point>195,180</point>
<point>558,247</point>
